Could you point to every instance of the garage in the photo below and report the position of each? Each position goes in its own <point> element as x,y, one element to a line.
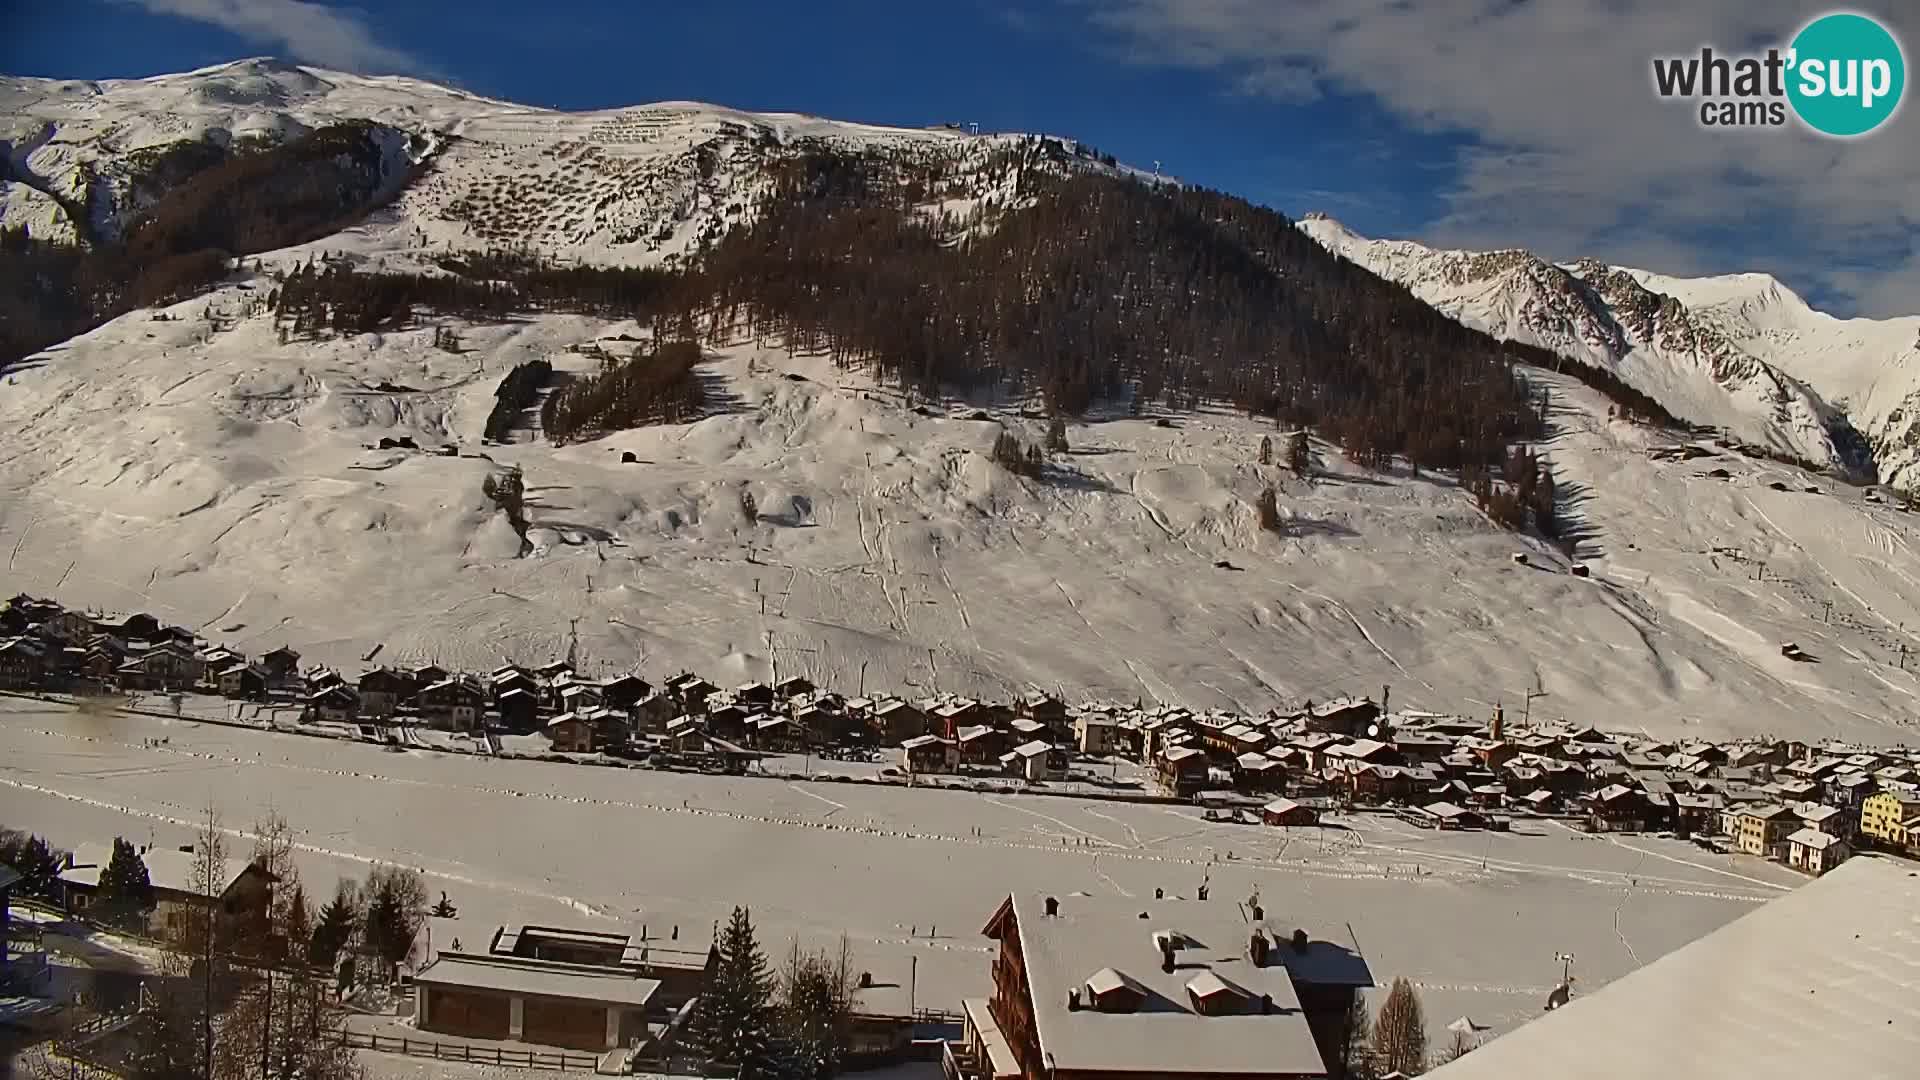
<point>462,1012</point>
<point>577,1025</point>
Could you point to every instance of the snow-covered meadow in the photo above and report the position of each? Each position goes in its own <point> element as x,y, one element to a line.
<point>909,875</point>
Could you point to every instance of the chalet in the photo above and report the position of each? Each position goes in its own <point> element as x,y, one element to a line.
<point>1088,990</point>
<point>1367,751</point>
<point>1447,816</point>
<point>244,890</point>
<point>1814,852</point>
<point>1045,709</point>
<point>1422,745</point>
<point>793,686</point>
<point>577,694</point>
<point>754,695</point>
<point>685,735</point>
<point>242,681</point>
<point>1849,792</point>
<point>650,714</point>
<point>428,674</point>
<point>71,626</point>
<point>554,672</point>
<point>1490,796</point>
<point>1617,808</point>
<point>336,704</point>
<point>980,745</point>
<point>23,663</point>
<point>571,733</point>
<point>136,627</point>
<point>947,718</point>
<point>1540,801</point>
<point>929,754</point>
<point>1342,716</point>
<point>691,691</point>
<point>822,725</point>
<point>624,692</point>
<point>726,721</point>
<point>1366,783</point>
<point>281,663</point>
<point>1098,734</point>
<point>519,710</point>
<point>162,667</point>
<point>775,734</point>
<point>1183,769</point>
<point>1694,813</point>
<point>1822,818</point>
<point>1286,812</point>
<point>1256,772</point>
<point>1037,761</point>
<point>320,677</point>
<point>451,704</point>
<point>896,721</point>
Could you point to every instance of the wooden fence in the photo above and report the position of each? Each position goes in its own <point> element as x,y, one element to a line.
<point>548,1060</point>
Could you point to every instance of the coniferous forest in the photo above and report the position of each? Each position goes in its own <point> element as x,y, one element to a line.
<point>1092,289</point>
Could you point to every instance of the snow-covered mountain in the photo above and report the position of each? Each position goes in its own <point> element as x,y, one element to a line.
<point>627,186</point>
<point>197,462</point>
<point>1740,351</point>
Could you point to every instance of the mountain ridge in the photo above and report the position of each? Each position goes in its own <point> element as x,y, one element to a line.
<point>1742,352</point>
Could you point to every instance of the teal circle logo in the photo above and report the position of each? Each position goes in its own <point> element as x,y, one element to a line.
<point>1846,74</point>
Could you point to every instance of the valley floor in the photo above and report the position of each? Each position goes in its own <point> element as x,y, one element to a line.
<point>909,876</point>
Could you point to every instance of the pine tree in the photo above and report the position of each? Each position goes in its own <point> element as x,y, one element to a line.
<point>1356,1053</point>
<point>34,859</point>
<point>396,909</point>
<point>1057,436</point>
<point>125,894</point>
<point>1400,1033</point>
<point>333,931</point>
<point>734,1024</point>
<point>816,1006</point>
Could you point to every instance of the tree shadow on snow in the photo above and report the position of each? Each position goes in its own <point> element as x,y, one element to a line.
<point>1578,533</point>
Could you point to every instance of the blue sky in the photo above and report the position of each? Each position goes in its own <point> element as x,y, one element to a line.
<point>1479,123</point>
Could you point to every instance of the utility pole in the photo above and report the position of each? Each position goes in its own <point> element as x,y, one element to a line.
<point>573,643</point>
<point>1526,717</point>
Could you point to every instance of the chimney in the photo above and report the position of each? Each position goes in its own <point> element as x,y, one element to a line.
<point>866,980</point>
<point>1166,955</point>
<point>1266,1004</point>
<point>1053,906</point>
<point>1498,727</point>
<point>1257,947</point>
<point>1203,892</point>
<point>1300,942</point>
<point>1159,894</point>
<point>676,931</point>
<point>1073,1000</point>
<point>1259,913</point>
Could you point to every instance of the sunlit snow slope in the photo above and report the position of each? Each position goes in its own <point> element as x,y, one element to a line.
<point>205,471</point>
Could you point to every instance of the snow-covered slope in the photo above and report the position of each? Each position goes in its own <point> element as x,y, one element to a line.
<point>1740,352</point>
<point>197,467</point>
<point>627,186</point>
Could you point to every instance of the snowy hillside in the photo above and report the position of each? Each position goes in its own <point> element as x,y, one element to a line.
<point>193,462</point>
<point>1739,352</point>
<point>187,462</point>
<point>629,186</point>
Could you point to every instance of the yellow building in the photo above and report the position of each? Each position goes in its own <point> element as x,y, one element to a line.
<point>1762,830</point>
<point>1885,817</point>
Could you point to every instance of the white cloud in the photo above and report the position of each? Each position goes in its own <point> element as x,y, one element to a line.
<point>1571,153</point>
<point>320,34</point>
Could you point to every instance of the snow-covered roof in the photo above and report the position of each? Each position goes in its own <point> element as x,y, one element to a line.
<point>466,971</point>
<point>1169,1036</point>
<point>1814,983</point>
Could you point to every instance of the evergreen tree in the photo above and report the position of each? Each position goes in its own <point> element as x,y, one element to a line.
<point>816,1007</point>
<point>36,861</point>
<point>333,930</point>
<point>1400,1032</point>
<point>396,909</point>
<point>1057,436</point>
<point>125,894</point>
<point>1356,1053</point>
<point>735,1021</point>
